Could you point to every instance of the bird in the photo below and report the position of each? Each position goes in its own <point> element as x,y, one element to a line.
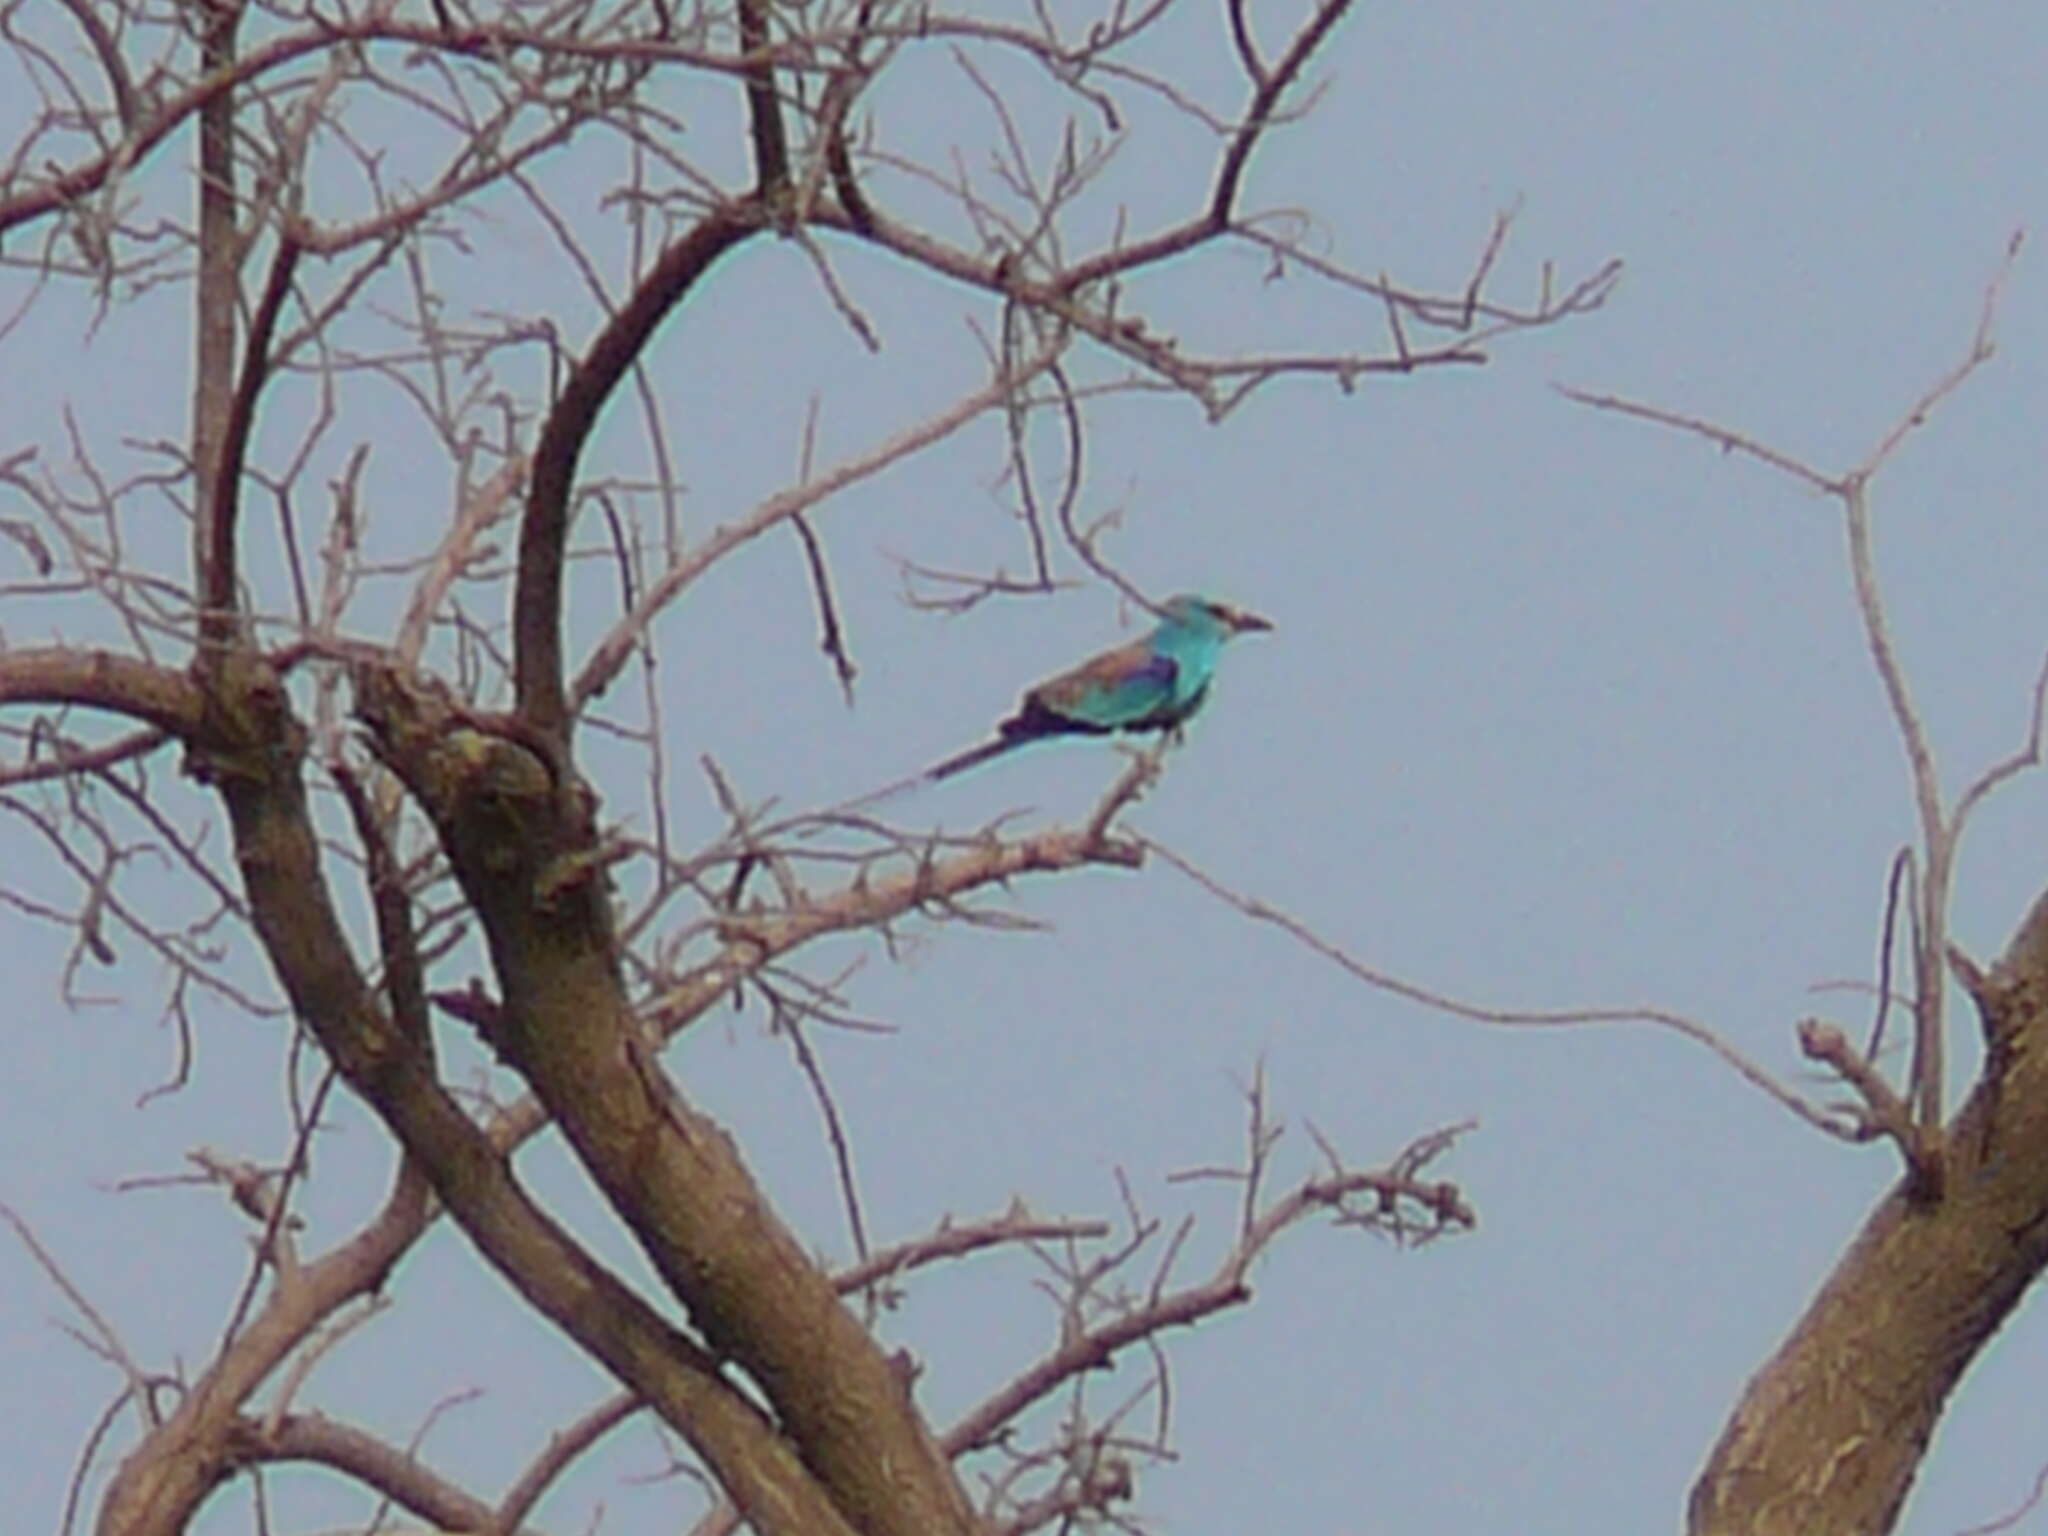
<point>1153,683</point>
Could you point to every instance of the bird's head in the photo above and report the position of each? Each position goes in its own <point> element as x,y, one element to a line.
<point>1191,611</point>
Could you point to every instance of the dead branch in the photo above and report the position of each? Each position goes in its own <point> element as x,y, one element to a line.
<point>1939,831</point>
<point>1700,1034</point>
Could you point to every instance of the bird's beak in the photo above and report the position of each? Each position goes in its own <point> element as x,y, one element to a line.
<point>1243,622</point>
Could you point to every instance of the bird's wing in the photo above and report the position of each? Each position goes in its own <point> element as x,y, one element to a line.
<point>1119,688</point>
<point>1171,712</point>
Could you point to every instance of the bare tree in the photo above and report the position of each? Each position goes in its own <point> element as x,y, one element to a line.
<point>382,251</point>
<point>391,713</point>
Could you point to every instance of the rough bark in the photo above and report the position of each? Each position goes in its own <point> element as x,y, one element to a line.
<point>1829,1434</point>
<point>523,845</point>
<point>251,750</point>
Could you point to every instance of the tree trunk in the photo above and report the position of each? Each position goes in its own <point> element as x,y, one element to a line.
<point>1828,1435</point>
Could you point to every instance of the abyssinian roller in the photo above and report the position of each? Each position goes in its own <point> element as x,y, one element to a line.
<point>1154,683</point>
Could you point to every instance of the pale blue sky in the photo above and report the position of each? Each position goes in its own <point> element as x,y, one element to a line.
<point>1560,710</point>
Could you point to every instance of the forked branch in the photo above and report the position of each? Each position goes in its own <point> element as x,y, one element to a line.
<point>1940,831</point>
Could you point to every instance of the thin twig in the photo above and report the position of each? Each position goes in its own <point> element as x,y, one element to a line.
<point>1691,1029</point>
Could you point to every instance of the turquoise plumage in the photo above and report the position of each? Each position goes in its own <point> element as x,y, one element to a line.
<point>1151,684</point>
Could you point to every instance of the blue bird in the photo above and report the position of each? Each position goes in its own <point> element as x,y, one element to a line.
<point>1154,683</point>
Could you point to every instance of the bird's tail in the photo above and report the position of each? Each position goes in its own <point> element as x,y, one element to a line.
<point>960,762</point>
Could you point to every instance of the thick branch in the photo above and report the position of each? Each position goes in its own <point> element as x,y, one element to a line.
<point>764,112</point>
<point>397,1475</point>
<point>155,695</point>
<point>544,533</point>
<point>1829,1434</point>
<point>216,296</point>
<point>218,567</point>
<point>259,778</point>
<point>521,844</point>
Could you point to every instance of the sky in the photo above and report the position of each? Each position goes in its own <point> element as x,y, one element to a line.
<point>1560,710</point>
